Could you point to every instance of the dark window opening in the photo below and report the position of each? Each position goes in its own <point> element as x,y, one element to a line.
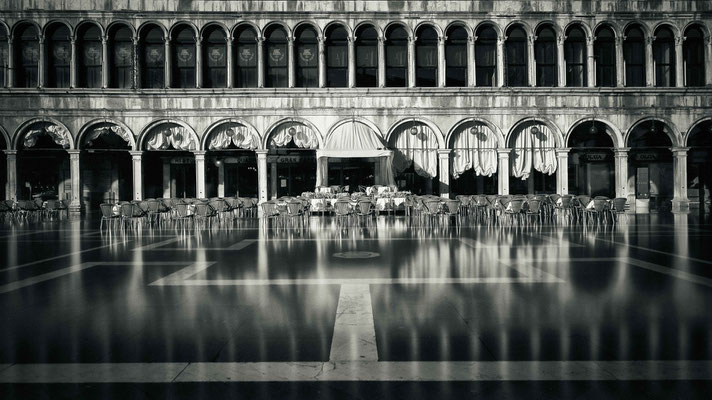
<point>634,57</point>
<point>426,58</point>
<point>214,50</point>
<point>545,56</point>
<point>276,59</point>
<point>516,58</point>
<point>367,57</point>
<point>575,55</point>
<point>245,58</point>
<point>397,57</point>
<point>337,61</point>
<point>604,53</point>
<point>307,58</point>
<point>486,57</point>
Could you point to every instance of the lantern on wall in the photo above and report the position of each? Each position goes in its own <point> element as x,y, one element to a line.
<point>229,132</point>
<point>413,130</point>
<point>291,131</point>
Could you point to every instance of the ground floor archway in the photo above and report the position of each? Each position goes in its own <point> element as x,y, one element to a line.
<point>291,172</point>
<point>169,174</point>
<point>106,176</point>
<point>469,183</point>
<point>350,173</point>
<point>231,173</point>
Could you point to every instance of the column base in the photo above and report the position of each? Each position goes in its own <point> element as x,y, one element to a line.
<point>75,208</point>
<point>680,206</point>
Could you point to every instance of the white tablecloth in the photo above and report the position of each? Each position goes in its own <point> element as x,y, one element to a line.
<point>396,201</point>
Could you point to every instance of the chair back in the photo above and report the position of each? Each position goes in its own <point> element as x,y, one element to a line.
<point>153,206</point>
<point>453,206</point>
<point>364,206</point>
<point>269,209</point>
<point>583,200</point>
<point>619,204</point>
<point>432,207</point>
<point>342,208</point>
<point>204,210</point>
<point>600,205</point>
<point>52,205</point>
<point>534,206</point>
<point>554,197</point>
<point>107,210</point>
<point>218,205</point>
<point>464,200</point>
<point>515,206</point>
<point>294,207</point>
<point>181,209</point>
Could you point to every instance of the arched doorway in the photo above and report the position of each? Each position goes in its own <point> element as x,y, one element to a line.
<point>106,174</point>
<point>168,162</point>
<point>699,167</point>
<point>591,160</point>
<point>533,159</point>
<point>292,159</point>
<point>415,157</point>
<point>474,159</point>
<point>43,162</point>
<point>650,167</point>
<point>231,164</point>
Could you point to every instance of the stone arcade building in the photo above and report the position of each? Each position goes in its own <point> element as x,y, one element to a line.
<point>126,99</point>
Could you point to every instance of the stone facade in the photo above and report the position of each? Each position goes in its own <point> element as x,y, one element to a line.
<point>680,109</point>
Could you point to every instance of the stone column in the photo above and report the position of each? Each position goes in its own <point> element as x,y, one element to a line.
<point>137,167</point>
<point>411,61</point>
<point>167,184</point>
<point>679,63</point>
<point>41,67</point>
<point>229,71</point>
<point>221,179</point>
<point>136,70</point>
<point>75,205</point>
<point>621,165</point>
<point>591,64</point>
<point>708,59</point>
<point>649,66</point>
<point>442,65</point>
<point>104,62</point>
<point>260,62</point>
<point>562,171</point>
<point>381,62</point>
<point>200,174</point>
<point>503,171</point>
<point>273,180</point>
<point>620,71</point>
<point>262,175</point>
<point>167,63</point>
<point>352,62</point>
<point>444,172</point>
<point>73,63</point>
<point>11,184</point>
<point>471,62</point>
<point>561,60</point>
<point>500,63</point>
<point>680,202</point>
<point>531,65</point>
<point>10,64</point>
<point>290,62</point>
<point>199,62</point>
<point>322,62</point>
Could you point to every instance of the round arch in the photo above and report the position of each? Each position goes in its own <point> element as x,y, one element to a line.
<point>430,124</point>
<point>548,22</point>
<point>558,135</point>
<point>22,23</point>
<point>369,23</point>
<point>209,130</point>
<point>637,24</point>
<point>119,23</point>
<point>459,23</point>
<point>432,24</point>
<point>362,120</point>
<point>696,23</point>
<point>308,23</point>
<point>398,23</point>
<point>494,25</point>
<point>494,128</point>
<point>148,128</point>
<point>300,120</point>
<point>341,23</point>
<point>178,24</point>
<point>220,25</point>
<point>86,128</point>
<point>84,23</point>
<point>272,24</point>
<point>688,132</point>
<point>667,24</point>
<point>673,133</point>
<point>21,130</point>
<point>610,24</point>
<point>582,24</point>
<point>54,22</point>
<point>242,24</point>
<point>143,26</point>
<point>527,28</point>
<point>616,136</point>
<point>6,26</point>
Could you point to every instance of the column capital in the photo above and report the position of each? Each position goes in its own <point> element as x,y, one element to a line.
<point>261,152</point>
<point>679,40</point>
<point>531,39</point>
<point>10,152</point>
<point>73,152</point>
<point>136,153</point>
<point>471,39</point>
<point>560,39</point>
<point>621,151</point>
<point>260,39</point>
<point>444,153</point>
<point>649,40</point>
<point>199,154</point>
<point>563,152</point>
<point>503,152</point>
<point>678,151</point>
<point>619,40</point>
<point>104,39</point>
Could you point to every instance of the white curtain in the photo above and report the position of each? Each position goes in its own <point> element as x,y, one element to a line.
<point>57,133</point>
<point>532,150</point>
<point>322,171</point>
<point>237,134</point>
<point>477,151</point>
<point>354,136</point>
<point>420,150</point>
<point>123,134</point>
<point>163,137</point>
<point>303,137</point>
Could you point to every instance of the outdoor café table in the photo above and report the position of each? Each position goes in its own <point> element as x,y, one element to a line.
<point>381,202</point>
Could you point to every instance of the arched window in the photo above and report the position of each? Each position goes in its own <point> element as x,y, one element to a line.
<point>214,50</point>
<point>634,57</point>
<point>89,57</point>
<point>545,56</point>
<point>664,57</point>
<point>426,57</point>
<point>27,56</point>
<point>516,57</point>
<point>183,61</point>
<point>575,55</point>
<point>337,61</point>
<point>59,56</point>
<point>276,58</point>
<point>121,57</point>
<point>604,53</point>
<point>4,56</point>
<point>153,58</point>
<point>486,57</point>
<point>693,50</point>
<point>366,57</point>
<point>456,57</point>
<point>245,57</point>
<point>307,57</point>
<point>396,57</point>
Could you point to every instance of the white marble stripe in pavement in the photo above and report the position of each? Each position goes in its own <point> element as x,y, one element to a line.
<point>354,336</point>
<point>476,244</point>
<point>179,280</point>
<point>56,257</point>
<point>434,371</point>
<point>158,246</point>
<point>633,246</point>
